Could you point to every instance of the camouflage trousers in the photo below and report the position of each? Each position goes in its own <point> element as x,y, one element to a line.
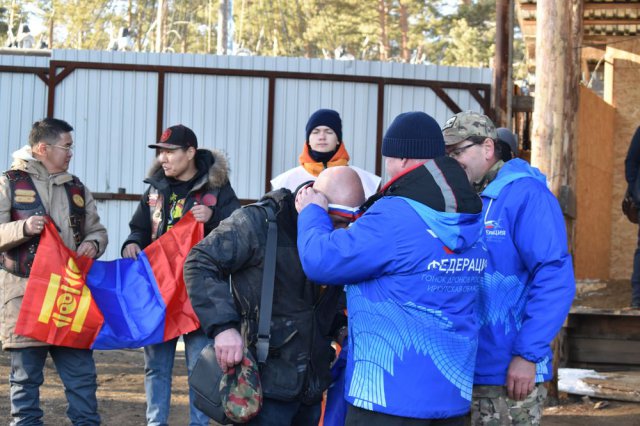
<point>492,407</point>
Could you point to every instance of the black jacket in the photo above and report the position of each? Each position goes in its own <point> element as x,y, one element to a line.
<point>223,274</point>
<point>632,167</point>
<point>210,187</point>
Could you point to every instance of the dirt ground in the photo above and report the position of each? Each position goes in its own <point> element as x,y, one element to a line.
<point>121,399</point>
<point>121,388</point>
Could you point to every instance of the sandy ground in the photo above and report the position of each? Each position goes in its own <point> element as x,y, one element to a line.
<point>121,388</point>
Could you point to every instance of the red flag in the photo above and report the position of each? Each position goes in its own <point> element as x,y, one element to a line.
<point>57,307</point>
<point>167,259</point>
<point>139,302</point>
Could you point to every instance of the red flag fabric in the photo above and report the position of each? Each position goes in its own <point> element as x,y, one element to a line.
<point>57,307</point>
<point>125,303</point>
<point>167,259</point>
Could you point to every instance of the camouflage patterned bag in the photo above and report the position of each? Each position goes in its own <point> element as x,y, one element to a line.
<point>232,397</point>
<point>240,390</point>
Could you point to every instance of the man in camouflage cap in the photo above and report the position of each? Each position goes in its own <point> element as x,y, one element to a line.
<point>464,131</point>
<point>528,284</point>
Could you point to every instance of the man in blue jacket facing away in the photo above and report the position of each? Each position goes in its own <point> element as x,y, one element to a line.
<point>413,268</point>
<point>528,285</point>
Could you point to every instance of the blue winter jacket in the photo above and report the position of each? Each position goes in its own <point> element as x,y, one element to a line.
<point>414,274</point>
<point>528,285</point>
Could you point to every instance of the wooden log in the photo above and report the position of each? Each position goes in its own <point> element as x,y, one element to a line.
<point>558,36</point>
<point>620,386</point>
<point>594,350</point>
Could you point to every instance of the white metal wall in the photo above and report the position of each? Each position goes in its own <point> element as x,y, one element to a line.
<point>296,100</point>
<point>114,114</point>
<point>23,100</point>
<point>226,113</point>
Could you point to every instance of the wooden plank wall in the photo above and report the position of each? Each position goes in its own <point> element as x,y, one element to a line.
<point>604,340</point>
<point>594,187</point>
<point>622,91</point>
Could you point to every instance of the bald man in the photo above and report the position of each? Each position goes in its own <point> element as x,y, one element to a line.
<point>305,318</point>
<point>343,194</point>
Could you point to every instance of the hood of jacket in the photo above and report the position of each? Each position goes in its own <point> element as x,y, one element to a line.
<point>440,193</point>
<point>511,171</point>
<point>212,166</point>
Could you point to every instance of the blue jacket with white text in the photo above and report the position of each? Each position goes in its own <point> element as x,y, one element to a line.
<point>528,285</point>
<point>413,276</point>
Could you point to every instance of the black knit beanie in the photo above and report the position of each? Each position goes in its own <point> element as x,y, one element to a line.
<point>325,117</point>
<point>413,135</point>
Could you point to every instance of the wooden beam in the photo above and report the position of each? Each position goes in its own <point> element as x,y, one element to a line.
<point>522,103</point>
<point>611,6</point>
<point>595,22</point>
<point>531,7</point>
<point>501,64</point>
<point>585,349</point>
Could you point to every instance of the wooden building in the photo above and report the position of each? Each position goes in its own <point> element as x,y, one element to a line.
<point>608,115</point>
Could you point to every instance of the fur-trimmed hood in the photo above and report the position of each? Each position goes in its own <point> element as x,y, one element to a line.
<point>213,161</point>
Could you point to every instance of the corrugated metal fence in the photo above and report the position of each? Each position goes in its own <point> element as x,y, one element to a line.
<point>253,108</point>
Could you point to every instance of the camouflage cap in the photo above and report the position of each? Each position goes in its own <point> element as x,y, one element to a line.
<point>241,391</point>
<point>466,124</point>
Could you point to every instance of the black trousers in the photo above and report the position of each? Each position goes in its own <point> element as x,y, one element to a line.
<point>359,417</point>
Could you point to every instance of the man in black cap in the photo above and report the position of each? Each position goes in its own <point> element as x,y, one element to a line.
<point>182,178</point>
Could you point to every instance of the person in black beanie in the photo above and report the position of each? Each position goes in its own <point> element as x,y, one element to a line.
<point>414,265</point>
<point>323,148</point>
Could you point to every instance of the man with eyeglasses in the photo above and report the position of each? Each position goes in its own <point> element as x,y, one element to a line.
<point>413,268</point>
<point>38,189</point>
<point>528,286</point>
<point>223,275</point>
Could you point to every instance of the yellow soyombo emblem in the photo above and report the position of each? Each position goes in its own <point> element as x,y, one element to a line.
<point>67,299</point>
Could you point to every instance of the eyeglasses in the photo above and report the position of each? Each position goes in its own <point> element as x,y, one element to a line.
<point>457,152</point>
<point>66,148</point>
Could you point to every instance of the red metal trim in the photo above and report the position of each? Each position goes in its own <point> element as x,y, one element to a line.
<point>55,78</point>
<point>116,196</point>
<point>51,95</point>
<point>44,76</point>
<point>446,99</point>
<point>104,196</point>
<point>482,100</point>
<point>41,73</point>
<point>160,109</point>
<point>66,70</point>
<point>23,70</point>
<point>271,107</point>
<point>379,129</point>
<point>276,74</point>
